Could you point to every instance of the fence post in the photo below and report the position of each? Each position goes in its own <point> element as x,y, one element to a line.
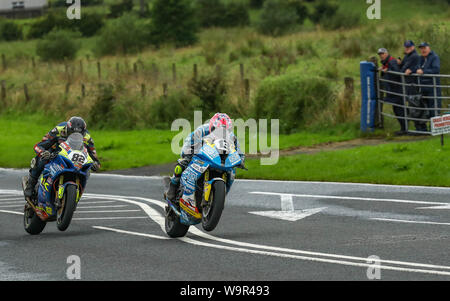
<point>247,89</point>
<point>3,90</point>
<point>33,63</point>
<point>83,90</point>
<point>349,86</point>
<point>143,90</point>
<point>135,70</point>
<point>4,61</point>
<point>241,71</point>
<point>99,70</point>
<point>165,90</point>
<point>174,73</point>
<point>81,68</point>
<point>67,89</point>
<point>195,72</point>
<point>25,90</point>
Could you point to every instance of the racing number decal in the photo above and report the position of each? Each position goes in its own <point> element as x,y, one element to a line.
<point>77,158</point>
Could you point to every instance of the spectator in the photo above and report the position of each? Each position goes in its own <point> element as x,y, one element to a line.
<point>410,62</point>
<point>390,64</point>
<point>409,65</point>
<point>430,64</point>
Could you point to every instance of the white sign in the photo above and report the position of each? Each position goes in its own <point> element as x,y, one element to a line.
<point>440,125</point>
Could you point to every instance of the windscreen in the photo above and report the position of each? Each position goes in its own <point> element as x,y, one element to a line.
<point>222,139</point>
<point>75,141</point>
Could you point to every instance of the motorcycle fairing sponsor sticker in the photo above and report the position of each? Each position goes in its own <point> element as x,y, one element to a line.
<point>234,158</point>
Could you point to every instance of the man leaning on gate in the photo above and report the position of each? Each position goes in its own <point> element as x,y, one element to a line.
<point>429,64</point>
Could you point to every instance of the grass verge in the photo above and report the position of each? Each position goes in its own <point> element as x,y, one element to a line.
<point>404,163</point>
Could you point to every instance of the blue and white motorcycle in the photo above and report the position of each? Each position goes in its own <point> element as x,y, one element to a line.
<point>204,186</point>
<point>59,188</point>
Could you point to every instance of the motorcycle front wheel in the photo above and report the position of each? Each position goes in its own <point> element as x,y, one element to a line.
<point>65,214</point>
<point>213,210</point>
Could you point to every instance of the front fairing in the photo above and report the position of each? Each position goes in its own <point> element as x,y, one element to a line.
<point>210,154</point>
<point>62,164</point>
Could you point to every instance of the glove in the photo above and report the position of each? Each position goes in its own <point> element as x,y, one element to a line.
<point>96,166</point>
<point>185,160</point>
<point>242,165</point>
<point>45,155</point>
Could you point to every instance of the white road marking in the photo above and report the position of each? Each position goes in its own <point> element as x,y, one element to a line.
<point>12,212</point>
<point>436,207</point>
<point>130,232</point>
<point>107,211</point>
<point>409,187</point>
<point>349,198</point>
<point>12,206</point>
<point>95,202</point>
<point>12,199</point>
<point>347,184</point>
<point>410,222</point>
<point>287,212</point>
<point>15,203</point>
<point>118,217</point>
<point>197,232</point>
<point>284,255</point>
<point>9,198</point>
<point>107,206</point>
<point>291,216</point>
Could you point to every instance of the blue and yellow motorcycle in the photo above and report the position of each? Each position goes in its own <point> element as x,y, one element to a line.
<point>59,188</point>
<point>203,187</point>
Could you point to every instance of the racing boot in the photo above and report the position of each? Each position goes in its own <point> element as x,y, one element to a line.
<point>28,192</point>
<point>173,188</point>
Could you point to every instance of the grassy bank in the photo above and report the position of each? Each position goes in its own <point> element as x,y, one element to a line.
<point>402,163</point>
<point>131,148</point>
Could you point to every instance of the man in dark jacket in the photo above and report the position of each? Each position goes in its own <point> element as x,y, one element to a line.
<point>390,64</point>
<point>430,64</point>
<point>409,65</point>
<point>410,62</point>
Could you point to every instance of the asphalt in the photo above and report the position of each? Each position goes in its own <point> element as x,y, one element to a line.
<point>117,233</point>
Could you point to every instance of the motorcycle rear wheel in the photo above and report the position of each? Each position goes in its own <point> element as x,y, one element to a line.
<point>174,228</point>
<point>31,221</point>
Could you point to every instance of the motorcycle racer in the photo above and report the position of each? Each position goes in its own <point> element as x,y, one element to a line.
<point>49,143</point>
<point>194,142</point>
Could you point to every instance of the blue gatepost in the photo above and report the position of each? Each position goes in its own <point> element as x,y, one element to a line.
<point>369,96</point>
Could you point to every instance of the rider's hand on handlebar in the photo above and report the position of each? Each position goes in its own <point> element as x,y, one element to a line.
<point>45,155</point>
<point>96,166</point>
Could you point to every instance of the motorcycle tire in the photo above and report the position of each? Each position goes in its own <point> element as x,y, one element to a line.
<point>70,204</point>
<point>216,203</point>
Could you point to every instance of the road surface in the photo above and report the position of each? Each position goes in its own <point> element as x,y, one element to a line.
<point>269,230</point>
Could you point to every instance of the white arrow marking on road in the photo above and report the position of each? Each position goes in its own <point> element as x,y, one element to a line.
<point>436,207</point>
<point>287,212</point>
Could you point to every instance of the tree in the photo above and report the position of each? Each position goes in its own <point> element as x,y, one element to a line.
<point>174,22</point>
<point>58,45</point>
<point>279,16</point>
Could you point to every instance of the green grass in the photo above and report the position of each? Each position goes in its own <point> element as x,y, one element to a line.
<point>407,163</point>
<point>123,149</point>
